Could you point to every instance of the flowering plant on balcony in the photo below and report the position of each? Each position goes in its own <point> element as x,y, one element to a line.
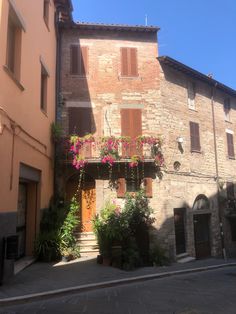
<point>77,144</point>
<point>109,149</point>
<point>134,161</point>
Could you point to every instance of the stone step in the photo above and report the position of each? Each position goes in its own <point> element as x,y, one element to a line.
<point>85,235</point>
<point>184,258</point>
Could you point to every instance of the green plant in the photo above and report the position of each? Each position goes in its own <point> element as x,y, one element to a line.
<point>47,247</point>
<point>56,132</point>
<point>66,233</point>
<point>158,256</point>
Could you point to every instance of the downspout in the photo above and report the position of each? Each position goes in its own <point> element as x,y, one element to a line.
<point>217,172</point>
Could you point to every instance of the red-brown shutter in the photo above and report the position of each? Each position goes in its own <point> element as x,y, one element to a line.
<point>124,61</point>
<point>148,186</point>
<point>80,120</point>
<point>74,60</point>
<point>131,125</point>
<point>133,62</point>
<point>230,143</point>
<point>83,67</point>
<point>121,187</point>
<point>194,136</point>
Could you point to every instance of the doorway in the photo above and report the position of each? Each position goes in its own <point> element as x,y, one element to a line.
<point>21,219</point>
<point>202,235</point>
<point>88,205</point>
<point>179,220</point>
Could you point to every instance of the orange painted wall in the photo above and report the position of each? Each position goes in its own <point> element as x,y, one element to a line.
<point>23,107</point>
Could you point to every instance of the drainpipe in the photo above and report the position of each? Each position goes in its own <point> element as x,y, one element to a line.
<point>217,171</point>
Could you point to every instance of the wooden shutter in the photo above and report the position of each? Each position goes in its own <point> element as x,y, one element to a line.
<point>74,60</point>
<point>194,136</point>
<point>129,65</point>
<point>121,187</point>
<point>83,61</point>
<point>80,120</point>
<point>124,62</point>
<point>131,125</point>
<point>133,62</point>
<point>148,186</point>
<point>230,143</point>
<point>230,190</point>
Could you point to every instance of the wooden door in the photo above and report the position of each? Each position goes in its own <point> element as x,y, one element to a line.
<point>179,219</point>
<point>88,206</point>
<point>202,235</point>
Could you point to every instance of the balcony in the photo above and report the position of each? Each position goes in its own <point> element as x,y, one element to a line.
<point>112,150</point>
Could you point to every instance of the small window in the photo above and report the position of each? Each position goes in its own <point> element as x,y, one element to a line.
<point>133,185</point>
<point>194,137</point>
<point>191,95</point>
<point>129,63</point>
<point>230,145</point>
<point>227,108</point>
<point>46,5</point>
<point>13,54</point>
<point>230,190</point>
<point>44,82</point>
<point>78,60</point>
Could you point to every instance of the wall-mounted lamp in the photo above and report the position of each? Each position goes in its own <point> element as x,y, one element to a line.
<point>180,140</point>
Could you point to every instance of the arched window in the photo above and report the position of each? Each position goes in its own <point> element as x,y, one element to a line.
<point>201,202</point>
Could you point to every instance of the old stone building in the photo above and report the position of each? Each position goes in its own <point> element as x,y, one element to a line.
<point>113,85</point>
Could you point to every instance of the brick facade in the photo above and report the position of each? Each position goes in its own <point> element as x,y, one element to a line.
<point>162,94</point>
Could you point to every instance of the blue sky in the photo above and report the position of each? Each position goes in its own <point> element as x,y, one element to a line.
<point>199,33</point>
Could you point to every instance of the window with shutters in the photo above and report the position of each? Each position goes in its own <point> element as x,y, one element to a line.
<point>129,62</point>
<point>227,108</point>
<point>13,55</point>
<point>43,94</point>
<point>230,190</point>
<point>131,125</point>
<point>46,5</point>
<point>80,121</point>
<point>129,185</point>
<point>78,60</point>
<point>191,95</point>
<point>194,137</point>
<point>230,145</point>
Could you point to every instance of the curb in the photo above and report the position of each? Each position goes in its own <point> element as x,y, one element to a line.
<point>105,284</point>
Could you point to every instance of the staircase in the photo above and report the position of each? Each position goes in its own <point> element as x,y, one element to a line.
<point>87,243</point>
<point>184,258</point>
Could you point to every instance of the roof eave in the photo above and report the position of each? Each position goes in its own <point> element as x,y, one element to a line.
<point>194,73</point>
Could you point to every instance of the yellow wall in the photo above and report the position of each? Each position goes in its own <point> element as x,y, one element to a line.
<point>23,107</point>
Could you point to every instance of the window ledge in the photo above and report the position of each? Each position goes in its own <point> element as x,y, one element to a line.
<point>120,77</point>
<point>44,112</point>
<point>231,157</point>
<point>193,109</point>
<point>12,76</point>
<point>196,151</point>
<point>228,121</point>
<point>46,23</point>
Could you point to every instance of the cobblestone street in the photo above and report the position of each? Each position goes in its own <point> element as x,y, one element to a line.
<point>211,292</point>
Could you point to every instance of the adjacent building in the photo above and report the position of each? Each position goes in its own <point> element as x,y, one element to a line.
<point>28,43</point>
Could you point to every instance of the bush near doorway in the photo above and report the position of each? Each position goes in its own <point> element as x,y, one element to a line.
<point>123,235</point>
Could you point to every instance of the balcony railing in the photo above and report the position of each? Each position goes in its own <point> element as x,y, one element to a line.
<point>114,149</point>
